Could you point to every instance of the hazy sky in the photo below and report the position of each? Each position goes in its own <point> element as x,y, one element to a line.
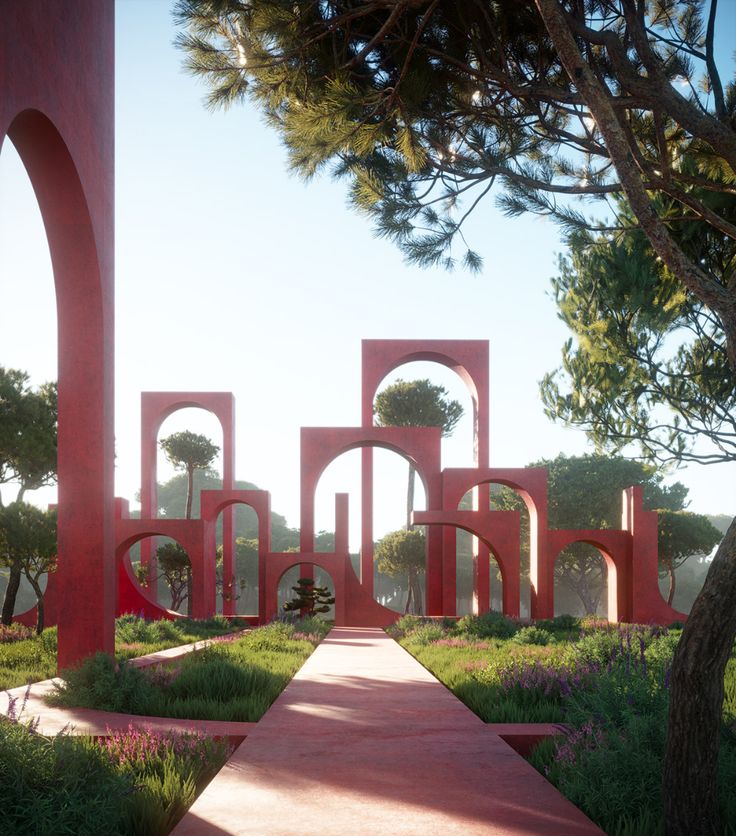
<point>233,275</point>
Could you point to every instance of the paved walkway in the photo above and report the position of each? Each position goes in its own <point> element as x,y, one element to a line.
<point>364,740</point>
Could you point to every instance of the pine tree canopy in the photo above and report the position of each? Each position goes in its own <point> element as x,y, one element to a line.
<point>425,105</point>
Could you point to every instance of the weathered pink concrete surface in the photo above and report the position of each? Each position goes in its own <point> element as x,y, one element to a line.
<point>364,740</point>
<point>88,721</point>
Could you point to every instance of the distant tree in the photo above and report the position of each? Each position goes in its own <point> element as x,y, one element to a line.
<point>189,452</point>
<point>172,498</point>
<point>416,403</point>
<point>403,553</point>
<point>28,420</point>
<point>28,430</point>
<point>585,492</point>
<point>309,599</point>
<point>28,542</point>
<point>683,535</point>
<point>175,568</point>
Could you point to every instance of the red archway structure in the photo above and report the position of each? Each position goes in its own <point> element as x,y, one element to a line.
<point>420,445</point>
<point>212,504</point>
<point>469,360</point>
<point>190,534</point>
<point>57,107</point>
<point>156,407</point>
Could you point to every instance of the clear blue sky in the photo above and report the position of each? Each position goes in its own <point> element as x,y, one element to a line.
<point>233,275</point>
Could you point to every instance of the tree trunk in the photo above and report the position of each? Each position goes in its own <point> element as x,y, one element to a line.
<point>409,592</point>
<point>410,496</point>
<point>39,602</point>
<point>190,492</point>
<point>418,607</point>
<point>11,593</point>
<point>673,582</point>
<point>696,701</point>
<point>189,592</point>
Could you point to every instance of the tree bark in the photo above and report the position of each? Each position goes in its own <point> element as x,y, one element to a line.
<point>11,593</point>
<point>40,615</point>
<point>190,491</point>
<point>410,496</point>
<point>696,695</point>
<point>673,582</point>
<point>696,701</point>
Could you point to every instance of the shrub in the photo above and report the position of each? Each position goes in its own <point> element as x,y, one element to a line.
<point>488,625</point>
<point>532,635</point>
<point>427,633</point>
<point>407,624</point>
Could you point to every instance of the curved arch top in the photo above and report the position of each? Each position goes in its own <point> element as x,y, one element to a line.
<point>467,358</point>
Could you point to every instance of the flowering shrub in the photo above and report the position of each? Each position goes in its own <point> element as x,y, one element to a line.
<point>15,632</point>
<point>551,681</point>
<point>133,747</point>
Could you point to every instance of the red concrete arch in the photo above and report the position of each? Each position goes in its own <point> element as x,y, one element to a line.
<point>419,445</point>
<point>499,531</point>
<point>614,547</point>
<point>56,106</point>
<point>190,535</point>
<point>212,504</point>
<point>469,360</point>
<point>156,407</point>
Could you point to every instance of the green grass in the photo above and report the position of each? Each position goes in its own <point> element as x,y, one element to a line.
<point>131,783</point>
<point>34,659</point>
<point>235,680</point>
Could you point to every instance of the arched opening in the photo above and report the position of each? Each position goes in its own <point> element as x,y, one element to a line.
<point>581,581</point>
<point>28,340</point>
<point>289,580</point>
<point>342,475</point>
<point>458,447</point>
<point>243,592</point>
<point>476,589</point>
<point>172,482</point>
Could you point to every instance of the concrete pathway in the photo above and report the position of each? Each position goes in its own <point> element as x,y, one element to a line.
<point>364,740</point>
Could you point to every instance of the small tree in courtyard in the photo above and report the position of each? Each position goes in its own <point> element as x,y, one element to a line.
<point>403,553</point>
<point>175,568</point>
<point>310,599</point>
<point>416,403</point>
<point>189,451</point>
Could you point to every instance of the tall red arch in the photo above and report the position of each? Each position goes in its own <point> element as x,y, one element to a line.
<point>469,360</point>
<point>57,107</point>
<point>156,407</point>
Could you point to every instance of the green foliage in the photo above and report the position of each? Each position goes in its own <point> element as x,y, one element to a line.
<point>417,403</point>
<point>28,545</point>
<point>533,635</point>
<point>234,680</point>
<point>28,431</point>
<point>310,599</point>
<point>187,450</point>
<point>129,783</point>
<point>175,569</point>
<point>488,625</point>
<point>424,109</point>
<point>620,380</point>
<point>401,552</point>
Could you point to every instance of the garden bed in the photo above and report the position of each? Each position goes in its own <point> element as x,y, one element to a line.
<point>609,685</point>
<point>26,657</point>
<point>233,680</point>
